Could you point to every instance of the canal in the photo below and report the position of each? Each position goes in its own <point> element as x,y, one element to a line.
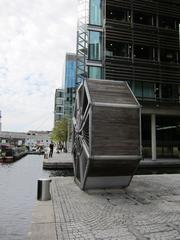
<point>18,187</point>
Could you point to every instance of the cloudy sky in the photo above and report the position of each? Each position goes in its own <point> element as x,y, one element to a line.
<point>34,37</point>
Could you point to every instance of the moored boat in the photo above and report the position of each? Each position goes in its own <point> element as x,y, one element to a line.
<point>9,154</point>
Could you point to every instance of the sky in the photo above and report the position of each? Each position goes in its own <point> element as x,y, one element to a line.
<point>34,38</point>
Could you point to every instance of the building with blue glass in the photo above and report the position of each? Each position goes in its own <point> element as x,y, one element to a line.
<point>137,41</point>
<point>69,83</point>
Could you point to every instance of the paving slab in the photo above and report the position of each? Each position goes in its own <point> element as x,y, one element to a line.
<point>149,209</point>
<point>43,222</point>
<point>42,231</point>
<point>59,161</point>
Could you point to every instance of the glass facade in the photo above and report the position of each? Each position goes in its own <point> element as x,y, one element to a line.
<point>70,84</point>
<point>167,22</point>
<point>118,14</point>
<point>167,136</point>
<point>169,91</point>
<point>144,90</point>
<point>95,16</point>
<point>144,18</point>
<point>95,72</point>
<point>118,49</point>
<point>70,76</point>
<point>95,45</point>
<point>170,56</point>
<point>143,52</point>
<point>156,91</point>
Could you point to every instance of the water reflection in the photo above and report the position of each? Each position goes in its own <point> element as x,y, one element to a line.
<point>18,194</point>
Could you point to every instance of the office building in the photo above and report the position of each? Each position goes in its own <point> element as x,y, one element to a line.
<point>58,105</point>
<point>137,41</point>
<point>69,84</point>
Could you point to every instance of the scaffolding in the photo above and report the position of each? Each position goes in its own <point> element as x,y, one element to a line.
<point>82,40</point>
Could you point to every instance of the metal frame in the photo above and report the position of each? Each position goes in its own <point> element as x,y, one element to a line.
<point>82,41</point>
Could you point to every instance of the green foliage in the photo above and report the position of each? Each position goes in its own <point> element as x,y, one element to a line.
<point>60,131</point>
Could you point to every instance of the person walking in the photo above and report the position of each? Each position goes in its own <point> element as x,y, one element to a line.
<point>46,152</point>
<point>51,147</point>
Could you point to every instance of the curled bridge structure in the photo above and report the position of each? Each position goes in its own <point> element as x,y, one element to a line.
<point>106,134</point>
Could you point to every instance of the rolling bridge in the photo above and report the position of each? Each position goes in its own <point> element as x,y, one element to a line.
<point>106,134</point>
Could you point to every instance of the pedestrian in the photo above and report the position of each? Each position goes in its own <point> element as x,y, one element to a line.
<point>60,147</point>
<point>51,147</point>
<point>46,150</point>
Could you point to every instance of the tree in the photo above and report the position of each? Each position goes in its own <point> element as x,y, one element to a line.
<point>60,131</point>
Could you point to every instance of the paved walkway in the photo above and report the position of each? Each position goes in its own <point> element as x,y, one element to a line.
<point>149,209</point>
<point>65,161</point>
<point>59,161</point>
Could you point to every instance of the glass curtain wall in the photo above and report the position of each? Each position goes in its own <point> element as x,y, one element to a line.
<point>95,39</point>
<point>144,90</point>
<point>95,72</point>
<point>95,16</point>
<point>168,135</point>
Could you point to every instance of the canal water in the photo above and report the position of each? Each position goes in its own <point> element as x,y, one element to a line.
<point>18,187</point>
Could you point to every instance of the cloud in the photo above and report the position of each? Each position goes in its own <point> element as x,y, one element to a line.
<point>34,37</point>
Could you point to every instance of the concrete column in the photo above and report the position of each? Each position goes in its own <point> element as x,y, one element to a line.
<point>153,136</point>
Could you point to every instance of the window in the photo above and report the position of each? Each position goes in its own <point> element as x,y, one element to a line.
<point>169,91</point>
<point>138,89</point>
<point>144,52</point>
<point>95,72</point>
<point>144,90</point>
<point>169,56</point>
<point>60,94</point>
<point>148,90</point>
<point>144,18</point>
<point>119,14</point>
<point>59,109</point>
<point>58,117</point>
<point>94,45</point>
<point>118,49</point>
<point>167,22</point>
<point>59,101</point>
<point>95,16</point>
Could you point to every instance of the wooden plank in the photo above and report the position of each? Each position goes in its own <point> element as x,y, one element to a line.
<point>110,92</point>
<point>112,168</point>
<point>116,131</point>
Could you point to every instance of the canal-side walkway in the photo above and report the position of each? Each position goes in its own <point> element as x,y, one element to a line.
<point>58,161</point>
<point>63,161</point>
<point>149,209</point>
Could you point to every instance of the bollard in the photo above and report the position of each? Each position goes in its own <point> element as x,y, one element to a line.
<point>43,189</point>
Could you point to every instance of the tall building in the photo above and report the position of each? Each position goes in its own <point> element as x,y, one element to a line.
<point>0,122</point>
<point>137,41</point>
<point>69,83</point>
<point>58,105</point>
